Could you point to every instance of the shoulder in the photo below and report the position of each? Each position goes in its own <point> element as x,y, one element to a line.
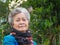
<point>9,37</point>
<point>35,43</point>
<point>8,40</point>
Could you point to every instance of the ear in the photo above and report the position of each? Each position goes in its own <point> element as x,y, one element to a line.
<point>30,9</point>
<point>11,24</point>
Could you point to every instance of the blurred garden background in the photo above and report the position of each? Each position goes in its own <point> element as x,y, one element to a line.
<point>45,19</point>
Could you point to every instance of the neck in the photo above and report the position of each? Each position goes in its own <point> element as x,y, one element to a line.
<point>20,33</point>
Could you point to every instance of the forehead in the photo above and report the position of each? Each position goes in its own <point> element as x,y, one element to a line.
<point>20,15</point>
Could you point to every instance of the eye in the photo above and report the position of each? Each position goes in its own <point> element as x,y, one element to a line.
<point>24,19</point>
<point>17,20</point>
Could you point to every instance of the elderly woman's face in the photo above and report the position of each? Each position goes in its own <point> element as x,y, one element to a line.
<point>20,22</point>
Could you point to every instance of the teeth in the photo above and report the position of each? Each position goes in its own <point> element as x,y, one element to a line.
<point>21,26</point>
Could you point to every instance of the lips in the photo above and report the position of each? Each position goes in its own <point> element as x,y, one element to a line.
<point>21,26</point>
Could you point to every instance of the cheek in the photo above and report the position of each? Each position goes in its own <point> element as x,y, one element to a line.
<point>27,23</point>
<point>15,24</point>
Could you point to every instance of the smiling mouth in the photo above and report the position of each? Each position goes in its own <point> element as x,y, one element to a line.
<point>21,26</point>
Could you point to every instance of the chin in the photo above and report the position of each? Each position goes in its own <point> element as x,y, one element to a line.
<point>23,29</point>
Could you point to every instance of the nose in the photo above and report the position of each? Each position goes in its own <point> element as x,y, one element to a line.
<point>21,22</point>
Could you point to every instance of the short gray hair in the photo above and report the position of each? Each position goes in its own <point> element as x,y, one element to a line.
<point>16,11</point>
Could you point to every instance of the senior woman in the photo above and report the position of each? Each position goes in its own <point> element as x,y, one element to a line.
<point>19,19</point>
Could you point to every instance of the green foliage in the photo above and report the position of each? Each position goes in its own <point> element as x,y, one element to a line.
<point>3,13</point>
<point>4,8</point>
<point>45,20</point>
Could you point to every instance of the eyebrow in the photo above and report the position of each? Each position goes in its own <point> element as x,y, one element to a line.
<point>22,17</point>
